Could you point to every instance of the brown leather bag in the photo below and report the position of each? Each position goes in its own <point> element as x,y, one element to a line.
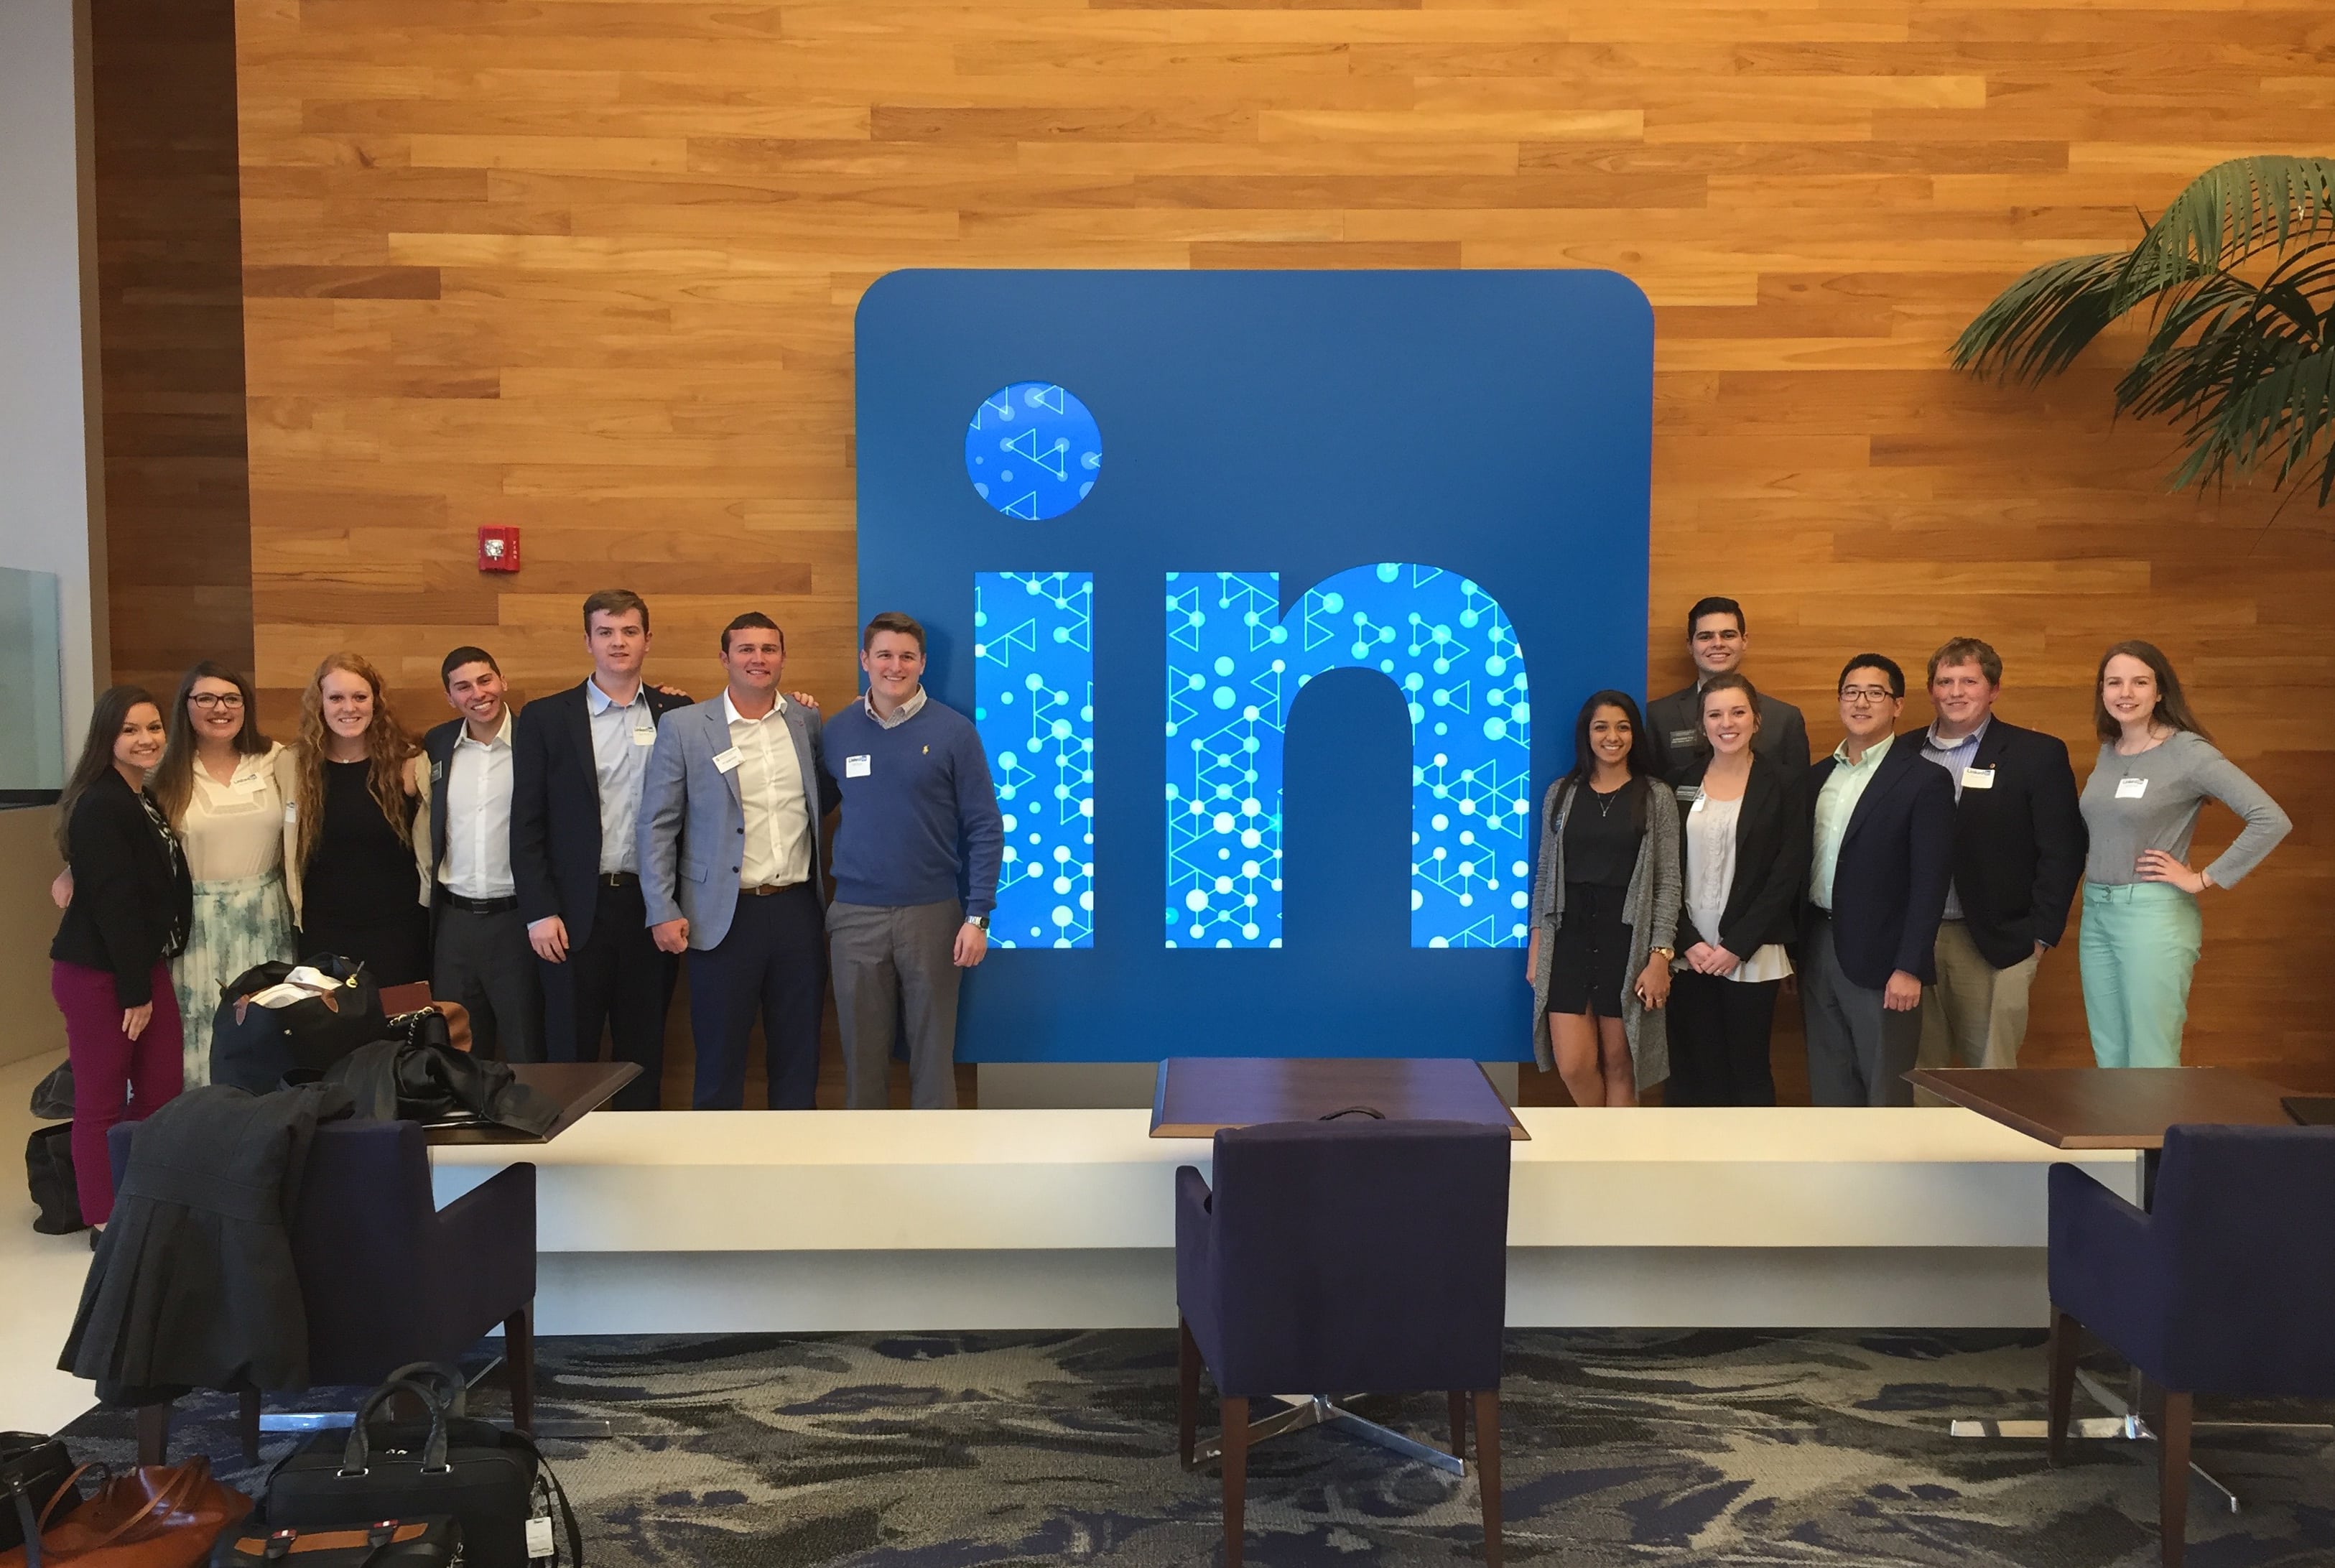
<point>155,1517</point>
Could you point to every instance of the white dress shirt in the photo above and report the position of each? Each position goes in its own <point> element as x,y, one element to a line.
<point>771,791</point>
<point>479,816</point>
<point>622,737</point>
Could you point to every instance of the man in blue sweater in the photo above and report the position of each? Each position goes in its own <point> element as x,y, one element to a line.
<point>920,828</point>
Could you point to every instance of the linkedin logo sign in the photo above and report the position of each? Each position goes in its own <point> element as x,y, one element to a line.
<point>1255,585</point>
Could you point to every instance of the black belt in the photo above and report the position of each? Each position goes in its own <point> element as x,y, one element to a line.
<point>619,879</point>
<point>475,905</point>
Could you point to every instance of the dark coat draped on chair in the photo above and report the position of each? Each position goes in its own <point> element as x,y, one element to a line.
<point>193,1285</point>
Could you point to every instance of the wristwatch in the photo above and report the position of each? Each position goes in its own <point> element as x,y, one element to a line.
<point>980,921</point>
<point>1667,954</point>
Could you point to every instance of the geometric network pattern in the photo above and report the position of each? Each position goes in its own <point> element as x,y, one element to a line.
<point>1235,667</point>
<point>1033,450</point>
<point>1034,705</point>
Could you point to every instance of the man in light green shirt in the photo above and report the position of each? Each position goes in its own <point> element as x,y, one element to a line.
<point>1879,866</point>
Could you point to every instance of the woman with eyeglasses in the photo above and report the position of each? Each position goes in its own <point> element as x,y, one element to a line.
<point>356,889</point>
<point>2141,930</point>
<point>222,785</point>
<point>1746,860</point>
<point>1604,911</point>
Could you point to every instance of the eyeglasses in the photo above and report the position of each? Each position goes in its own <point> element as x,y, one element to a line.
<point>1866,694</point>
<point>216,698</point>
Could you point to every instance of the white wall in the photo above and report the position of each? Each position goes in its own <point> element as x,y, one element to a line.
<point>44,471</point>
<point>45,508</point>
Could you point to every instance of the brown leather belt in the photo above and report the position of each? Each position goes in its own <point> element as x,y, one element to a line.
<point>768,888</point>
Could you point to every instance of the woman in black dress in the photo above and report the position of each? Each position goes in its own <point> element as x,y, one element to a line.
<point>357,887</point>
<point>1605,911</point>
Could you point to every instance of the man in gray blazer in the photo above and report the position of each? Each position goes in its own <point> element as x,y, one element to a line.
<point>730,870</point>
<point>1717,638</point>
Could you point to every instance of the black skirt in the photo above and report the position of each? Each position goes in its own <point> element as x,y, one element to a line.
<point>1589,967</point>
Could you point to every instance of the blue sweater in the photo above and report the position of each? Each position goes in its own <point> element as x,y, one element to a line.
<point>918,813</point>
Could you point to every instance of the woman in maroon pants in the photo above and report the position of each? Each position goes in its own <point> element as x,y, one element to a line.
<point>110,964</point>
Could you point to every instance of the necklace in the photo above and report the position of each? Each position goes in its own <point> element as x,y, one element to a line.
<point>1605,802</point>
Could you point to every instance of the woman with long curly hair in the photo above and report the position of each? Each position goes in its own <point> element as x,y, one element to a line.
<point>356,888</point>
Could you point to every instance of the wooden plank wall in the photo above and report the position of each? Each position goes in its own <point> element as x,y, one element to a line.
<point>589,266</point>
<point>170,318</point>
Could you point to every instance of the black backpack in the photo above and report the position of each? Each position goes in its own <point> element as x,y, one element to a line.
<point>49,1173</point>
<point>253,1047</point>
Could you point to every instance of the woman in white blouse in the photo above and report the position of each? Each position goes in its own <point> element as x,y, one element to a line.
<point>1746,861</point>
<point>222,785</point>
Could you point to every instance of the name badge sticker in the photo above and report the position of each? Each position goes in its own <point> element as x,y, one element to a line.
<point>437,772</point>
<point>1682,737</point>
<point>728,761</point>
<point>859,767</point>
<point>1698,805</point>
<point>644,736</point>
<point>1691,792</point>
<point>1978,777</point>
<point>2131,788</point>
<point>291,815</point>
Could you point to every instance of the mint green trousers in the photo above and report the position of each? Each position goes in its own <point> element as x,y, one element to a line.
<point>2138,948</point>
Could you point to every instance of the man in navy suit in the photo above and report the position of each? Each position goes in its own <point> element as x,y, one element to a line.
<point>729,868</point>
<point>577,767</point>
<point>1883,839</point>
<point>478,950</point>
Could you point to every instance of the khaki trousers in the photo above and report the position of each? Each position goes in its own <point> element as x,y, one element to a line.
<point>1976,1014</point>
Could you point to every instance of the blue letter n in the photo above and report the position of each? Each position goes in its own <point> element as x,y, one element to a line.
<point>1236,666</point>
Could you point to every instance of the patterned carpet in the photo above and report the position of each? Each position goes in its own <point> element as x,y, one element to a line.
<point>963,1451</point>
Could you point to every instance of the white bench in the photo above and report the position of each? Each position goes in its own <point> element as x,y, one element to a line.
<point>692,1222</point>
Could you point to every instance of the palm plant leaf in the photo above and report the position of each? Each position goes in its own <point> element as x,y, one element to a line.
<point>2278,422</point>
<point>2037,326</point>
<point>2229,212</point>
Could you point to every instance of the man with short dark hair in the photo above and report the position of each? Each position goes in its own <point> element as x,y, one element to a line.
<point>1883,848</point>
<point>578,763</point>
<point>730,870</point>
<point>1717,638</point>
<point>479,952</point>
<point>920,826</point>
<point>2019,856</point>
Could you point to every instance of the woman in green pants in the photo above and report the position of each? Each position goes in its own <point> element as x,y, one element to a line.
<point>2141,926</point>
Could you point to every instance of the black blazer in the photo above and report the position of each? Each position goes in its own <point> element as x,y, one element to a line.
<point>2018,845</point>
<point>438,749</point>
<point>1772,861</point>
<point>132,901</point>
<point>555,808</point>
<point>1675,727</point>
<point>1896,856</point>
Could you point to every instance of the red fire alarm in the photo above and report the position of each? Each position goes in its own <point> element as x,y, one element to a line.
<point>498,549</point>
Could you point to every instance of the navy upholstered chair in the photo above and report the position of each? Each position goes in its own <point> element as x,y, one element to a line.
<point>386,1276</point>
<point>1344,1257</point>
<point>2225,1285</point>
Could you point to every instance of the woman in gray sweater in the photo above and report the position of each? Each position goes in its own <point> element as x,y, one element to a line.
<point>1605,911</point>
<point>2141,926</point>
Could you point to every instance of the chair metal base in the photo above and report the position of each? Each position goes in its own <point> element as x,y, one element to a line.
<point>2127,1425</point>
<point>1303,1410</point>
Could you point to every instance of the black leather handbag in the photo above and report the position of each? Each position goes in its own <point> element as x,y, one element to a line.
<point>253,1047</point>
<point>491,1482</point>
<point>435,1543</point>
<point>33,1471</point>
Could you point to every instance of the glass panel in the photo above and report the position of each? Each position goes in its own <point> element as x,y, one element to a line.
<point>32,689</point>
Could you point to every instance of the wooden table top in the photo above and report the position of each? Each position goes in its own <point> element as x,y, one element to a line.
<point>579,1087</point>
<point>2078,1107</point>
<point>1196,1095</point>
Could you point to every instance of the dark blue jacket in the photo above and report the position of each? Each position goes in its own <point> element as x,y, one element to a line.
<point>1897,861</point>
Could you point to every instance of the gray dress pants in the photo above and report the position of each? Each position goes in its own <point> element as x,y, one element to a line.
<point>1859,1051</point>
<point>888,965</point>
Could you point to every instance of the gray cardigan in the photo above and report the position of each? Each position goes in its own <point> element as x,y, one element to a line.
<point>1650,906</point>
